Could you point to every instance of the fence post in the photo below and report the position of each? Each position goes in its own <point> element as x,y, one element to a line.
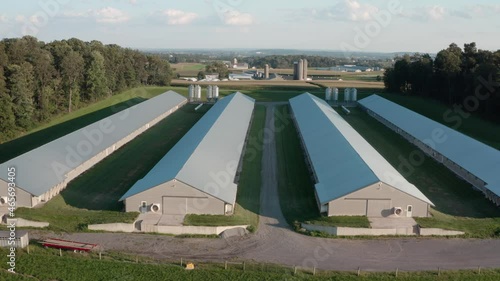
<point>60,252</point>
<point>243,266</point>
<point>479,269</point>
<point>314,271</point>
<point>181,262</point>
<point>136,259</point>
<point>295,270</point>
<point>439,271</point>
<point>28,249</point>
<point>359,271</point>
<point>397,269</point>
<point>100,257</point>
<point>225,265</point>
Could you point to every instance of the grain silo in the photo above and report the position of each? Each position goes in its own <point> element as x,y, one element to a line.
<point>300,71</point>
<point>304,71</point>
<point>347,94</point>
<point>335,94</point>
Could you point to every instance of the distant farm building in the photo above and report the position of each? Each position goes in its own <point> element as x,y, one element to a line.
<point>351,177</point>
<point>300,70</point>
<point>199,174</point>
<point>44,172</point>
<point>473,161</point>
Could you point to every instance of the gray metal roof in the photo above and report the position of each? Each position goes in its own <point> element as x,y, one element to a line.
<point>343,161</point>
<point>42,168</point>
<point>476,157</point>
<point>208,150</point>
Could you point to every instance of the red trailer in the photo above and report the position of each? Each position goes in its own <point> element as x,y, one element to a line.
<point>68,245</point>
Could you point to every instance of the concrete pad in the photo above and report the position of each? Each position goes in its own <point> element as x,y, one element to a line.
<point>149,218</point>
<point>392,222</point>
<point>171,220</point>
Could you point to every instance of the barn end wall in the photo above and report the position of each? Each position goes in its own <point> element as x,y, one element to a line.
<point>23,198</point>
<point>357,203</point>
<point>198,202</point>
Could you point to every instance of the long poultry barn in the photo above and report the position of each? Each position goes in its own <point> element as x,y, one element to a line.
<point>199,174</point>
<point>473,161</point>
<point>44,172</point>
<point>351,177</point>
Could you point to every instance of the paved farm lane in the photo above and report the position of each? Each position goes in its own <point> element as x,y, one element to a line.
<point>275,242</point>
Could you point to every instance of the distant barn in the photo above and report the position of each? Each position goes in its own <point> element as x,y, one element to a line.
<point>44,172</point>
<point>474,161</point>
<point>199,175</point>
<point>351,177</point>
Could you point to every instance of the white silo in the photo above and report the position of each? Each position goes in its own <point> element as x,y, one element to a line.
<point>197,92</point>
<point>347,94</point>
<point>215,92</point>
<point>354,94</point>
<point>328,94</point>
<point>191,93</point>
<point>209,92</point>
<point>335,94</point>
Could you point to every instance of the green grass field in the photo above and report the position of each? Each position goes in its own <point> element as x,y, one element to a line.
<point>458,206</point>
<point>248,197</point>
<point>295,186</point>
<point>101,187</point>
<point>188,69</point>
<point>46,264</point>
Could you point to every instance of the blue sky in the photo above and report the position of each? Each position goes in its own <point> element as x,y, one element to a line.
<point>361,25</point>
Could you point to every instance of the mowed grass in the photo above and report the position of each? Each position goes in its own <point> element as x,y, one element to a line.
<point>188,69</point>
<point>458,206</point>
<point>248,196</point>
<point>46,264</point>
<point>295,185</point>
<point>100,188</point>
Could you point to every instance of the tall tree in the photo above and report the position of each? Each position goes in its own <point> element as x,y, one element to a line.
<point>72,70</point>
<point>95,76</point>
<point>20,83</point>
<point>44,71</point>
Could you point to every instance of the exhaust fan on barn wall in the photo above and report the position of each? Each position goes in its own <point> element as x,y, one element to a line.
<point>397,211</point>
<point>155,208</point>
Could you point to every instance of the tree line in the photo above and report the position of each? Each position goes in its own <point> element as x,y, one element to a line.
<point>41,80</point>
<point>468,77</point>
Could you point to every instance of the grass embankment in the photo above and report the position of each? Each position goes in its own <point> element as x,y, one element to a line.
<point>248,196</point>
<point>46,264</point>
<point>295,186</point>
<point>101,187</point>
<point>458,206</point>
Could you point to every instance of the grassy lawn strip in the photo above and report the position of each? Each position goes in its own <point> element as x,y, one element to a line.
<point>46,264</point>
<point>101,187</point>
<point>473,227</point>
<point>458,206</point>
<point>343,221</point>
<point>248,196</point>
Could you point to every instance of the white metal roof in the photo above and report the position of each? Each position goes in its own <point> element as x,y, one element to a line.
<point>42,168</point>
<point>476,157</point>
<point>207,157</point>
<point>343,161</point>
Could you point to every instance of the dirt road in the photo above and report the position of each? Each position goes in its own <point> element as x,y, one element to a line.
<point>275,242</point>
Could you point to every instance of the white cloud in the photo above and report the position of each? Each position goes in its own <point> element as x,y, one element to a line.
<point>20,19</point>
<point>233,17</point>
<point>436,12</point>
<point>110,15</point>
<point>346,10</point>
<point>178,17</point>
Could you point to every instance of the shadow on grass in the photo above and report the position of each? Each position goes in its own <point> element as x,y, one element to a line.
<point>29,142</point>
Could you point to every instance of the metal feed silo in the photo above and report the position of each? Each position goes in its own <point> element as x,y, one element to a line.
<point>191,93</point>
<point>328,94</point>
<point>301,70</point>
<point>354,94</point>
<point>304,71</point>
<point>215,92</point>
<point>335,94</point>
<point>347,94</point>
<point>197,92</point>
<point>209,92</point>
